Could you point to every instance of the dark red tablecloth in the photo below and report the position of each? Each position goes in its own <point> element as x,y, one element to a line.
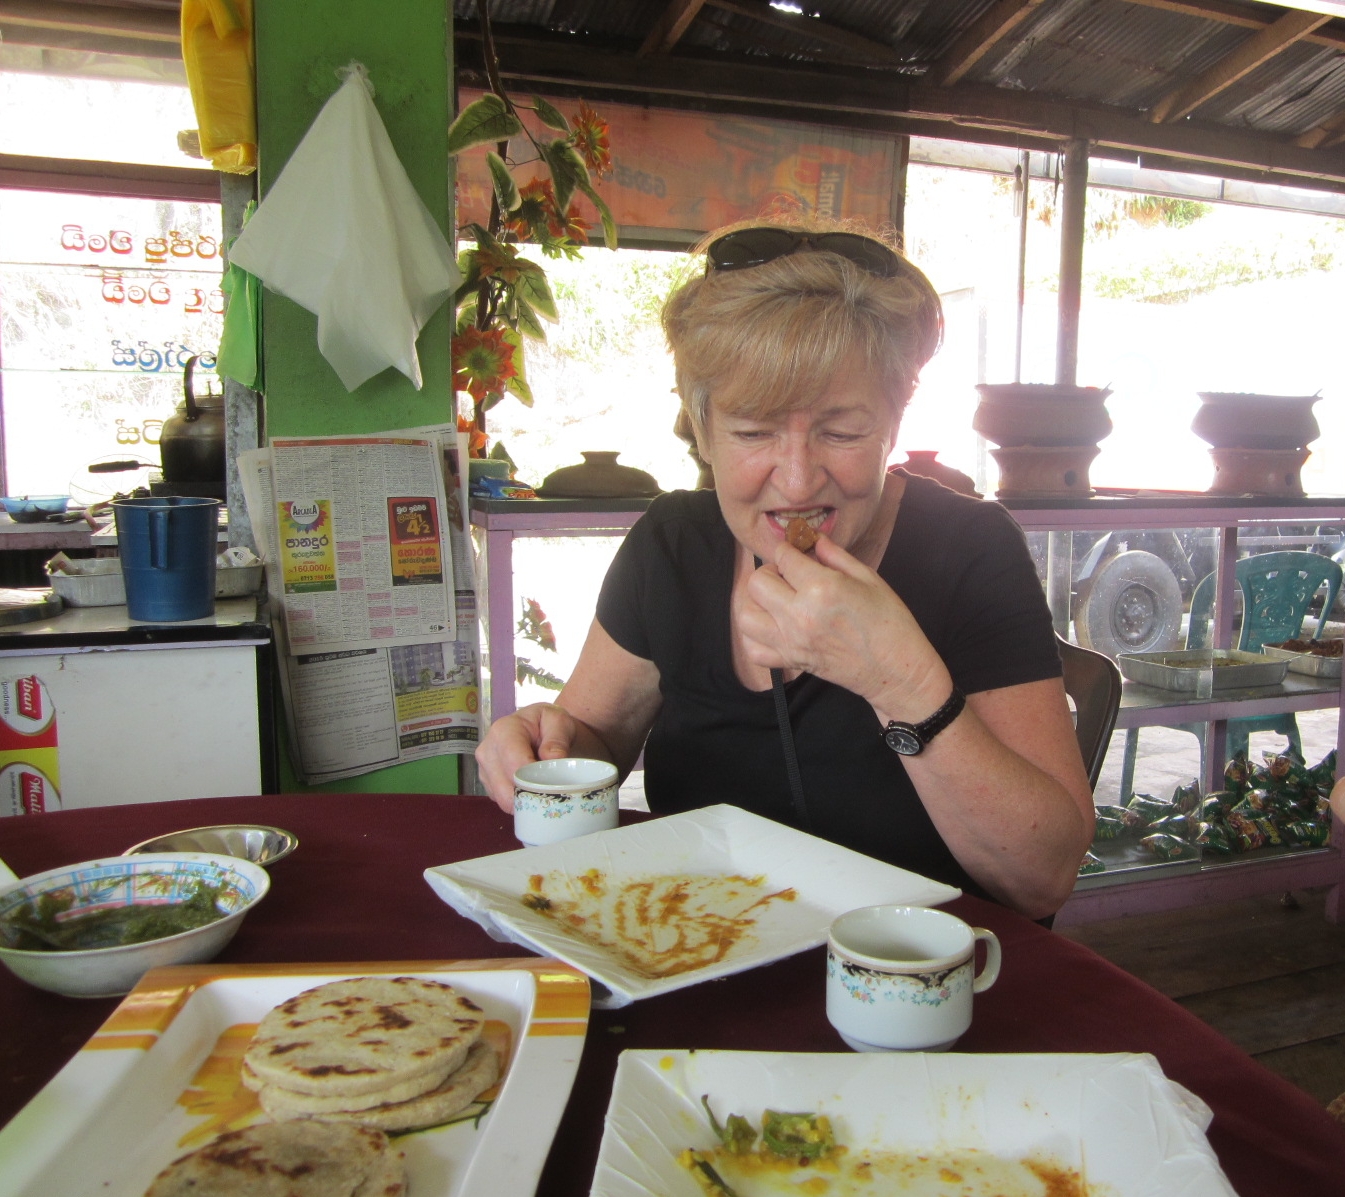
<point>354,891</point>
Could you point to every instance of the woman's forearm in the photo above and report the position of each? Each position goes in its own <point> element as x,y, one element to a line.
<point>1004,786</point>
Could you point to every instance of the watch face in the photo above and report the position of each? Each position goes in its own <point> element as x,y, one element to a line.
<point>903,739</point>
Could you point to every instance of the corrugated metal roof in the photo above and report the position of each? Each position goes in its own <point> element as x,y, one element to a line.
<point>1095,60</point>
<point>1111,52</point>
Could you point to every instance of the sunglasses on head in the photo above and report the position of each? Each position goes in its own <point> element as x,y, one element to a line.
<point>745,248</point>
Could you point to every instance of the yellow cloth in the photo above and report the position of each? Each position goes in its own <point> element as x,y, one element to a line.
<point>217,51</point>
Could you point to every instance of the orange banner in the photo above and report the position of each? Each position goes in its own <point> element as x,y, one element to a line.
<point>692,172</point>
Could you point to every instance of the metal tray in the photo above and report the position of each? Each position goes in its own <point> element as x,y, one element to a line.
<point>1187,669</point>
<point>1309,663</point>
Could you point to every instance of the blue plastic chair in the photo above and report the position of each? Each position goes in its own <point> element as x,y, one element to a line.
<point>1276,590</point>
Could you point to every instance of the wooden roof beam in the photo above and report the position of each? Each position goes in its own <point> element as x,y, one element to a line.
<point>141,24</point>
<point>668,29</point>
<point>1330,132</point>
<point>816,30</point>
<point>1247,16</point>
<point>1257,49</point>
<point>992,25</point>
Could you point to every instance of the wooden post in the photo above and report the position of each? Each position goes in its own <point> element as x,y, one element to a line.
<point>1073,197</point>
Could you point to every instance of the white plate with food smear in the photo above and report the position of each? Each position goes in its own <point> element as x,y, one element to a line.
<point>671,902</point>
<point>163,1077</point>
<point>894,1123</point>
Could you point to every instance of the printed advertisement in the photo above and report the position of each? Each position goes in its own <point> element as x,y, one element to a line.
<point>415,542</point>
<point>29,761</point>
<point>352,710</point>
<point>307,554</point>
<point>360,541</point>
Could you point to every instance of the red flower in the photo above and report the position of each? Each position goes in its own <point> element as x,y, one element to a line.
<point>483,361</point>
<point>537,217</point>
<point>536,209</point>
<point>476,439</point>
<point>592,140</point>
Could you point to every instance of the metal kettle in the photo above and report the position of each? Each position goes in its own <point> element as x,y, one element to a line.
<point>191,445</point>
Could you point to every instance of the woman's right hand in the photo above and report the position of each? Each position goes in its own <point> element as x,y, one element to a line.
<point>539,732</point>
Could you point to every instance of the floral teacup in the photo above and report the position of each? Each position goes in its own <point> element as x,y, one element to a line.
<point>557,799</point>
<point>900,978</point>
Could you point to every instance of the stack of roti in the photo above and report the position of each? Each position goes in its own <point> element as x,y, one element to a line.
<point>397,1053</point>
<point>288,1159</point>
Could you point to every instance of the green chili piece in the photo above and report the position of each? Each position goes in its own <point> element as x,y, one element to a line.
<point>737,1135</point>
<point>803,1136</point>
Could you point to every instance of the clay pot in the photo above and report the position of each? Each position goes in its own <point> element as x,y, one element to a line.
<point>598,478</point>
<point>1230,420</point>
<point>925,463</point>
<point>1270,472</point>
<point>1044,471</point>
<point>1012,414</point>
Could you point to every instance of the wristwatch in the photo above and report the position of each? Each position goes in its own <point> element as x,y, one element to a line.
<point>909,739</point>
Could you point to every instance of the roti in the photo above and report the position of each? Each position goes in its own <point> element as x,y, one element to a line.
<point>288,1159</point>
<point>304,1105</point>
<point>364,1036</point>
<point>480,1071</point>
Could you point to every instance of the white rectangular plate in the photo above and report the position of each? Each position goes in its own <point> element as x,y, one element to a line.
<point>120,1111</point>
<point>717,841</point>
<point>1116,1119</point>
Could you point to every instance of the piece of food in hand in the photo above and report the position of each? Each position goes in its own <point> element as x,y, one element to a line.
<point>288,1159</point>
<point>801,534</point>
<point>364,1036</point>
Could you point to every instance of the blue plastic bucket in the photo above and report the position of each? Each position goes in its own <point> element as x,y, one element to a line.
<point>167,548</point>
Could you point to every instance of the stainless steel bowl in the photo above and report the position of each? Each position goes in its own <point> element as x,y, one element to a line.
<point>261,845</point>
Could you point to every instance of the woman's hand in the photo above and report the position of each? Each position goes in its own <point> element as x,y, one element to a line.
<point>1019,818</point>
<point>540,732</point>
<point>835,618</point>
<point>604,713</point>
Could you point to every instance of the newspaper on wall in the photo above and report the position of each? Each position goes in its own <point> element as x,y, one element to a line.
<point>354,709</point>
<point>362,546</point>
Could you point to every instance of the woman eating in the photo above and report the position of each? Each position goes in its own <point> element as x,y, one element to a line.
<point>891,683</point>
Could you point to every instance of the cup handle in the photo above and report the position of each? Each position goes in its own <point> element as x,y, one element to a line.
<point>158,537</point>
<point>990,970</point>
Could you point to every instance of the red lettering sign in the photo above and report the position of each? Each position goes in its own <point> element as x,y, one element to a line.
<point>29,694</point>
<point>33,792</point>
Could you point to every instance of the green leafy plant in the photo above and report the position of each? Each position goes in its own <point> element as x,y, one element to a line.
<point>505,297</point>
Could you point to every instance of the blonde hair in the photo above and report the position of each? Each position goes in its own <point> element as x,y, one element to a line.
<point>772,338</point>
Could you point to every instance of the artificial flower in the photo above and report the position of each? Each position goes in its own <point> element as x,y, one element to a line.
<point>483,361</point>
<point>497,259</point>
<point>592,139</point>
<point>536,208</point>
<point>476,437</point>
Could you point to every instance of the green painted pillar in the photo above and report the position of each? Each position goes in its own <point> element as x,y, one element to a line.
<point>407,47</point>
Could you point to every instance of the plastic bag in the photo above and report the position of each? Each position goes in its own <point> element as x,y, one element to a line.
<point>217,52</point>
<point>344,234</point>
<point>239,355</point>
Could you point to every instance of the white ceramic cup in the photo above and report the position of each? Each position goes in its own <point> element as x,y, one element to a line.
<point>900,978</point>
<point>557,799</point>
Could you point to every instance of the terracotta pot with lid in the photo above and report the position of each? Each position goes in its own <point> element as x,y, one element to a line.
<point>1233,420</point>
<point>599,477</point>
<point>1013,414</point>
<point>191,445</point>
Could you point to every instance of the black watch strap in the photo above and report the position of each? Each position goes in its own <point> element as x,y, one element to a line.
<point>909,739</point>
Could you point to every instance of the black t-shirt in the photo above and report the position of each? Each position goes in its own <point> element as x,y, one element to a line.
<point>960,565</point>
